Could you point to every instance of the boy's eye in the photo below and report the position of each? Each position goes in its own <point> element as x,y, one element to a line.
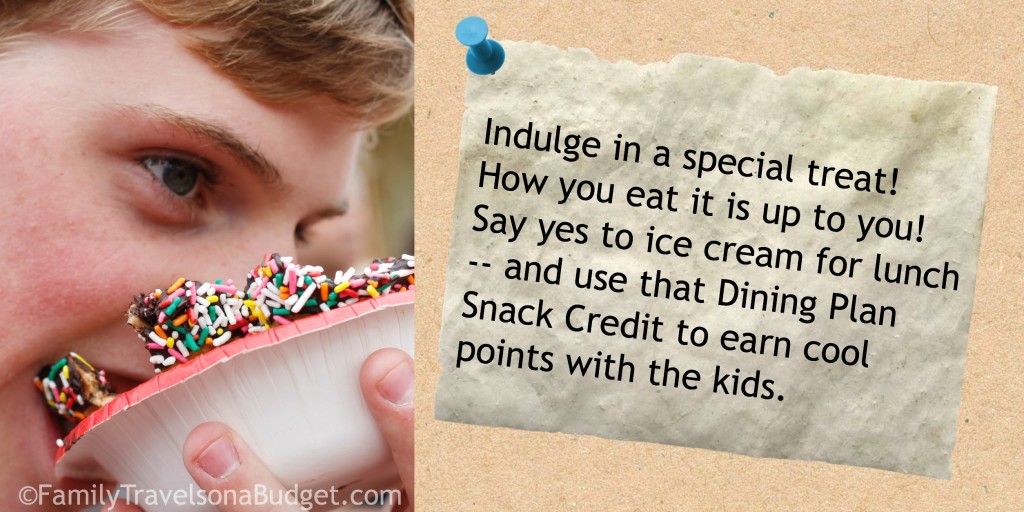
<point>179,175</point>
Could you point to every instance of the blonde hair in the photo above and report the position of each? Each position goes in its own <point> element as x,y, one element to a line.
<point>358,53</point>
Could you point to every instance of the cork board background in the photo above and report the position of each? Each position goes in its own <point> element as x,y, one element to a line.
<point>465,467</point>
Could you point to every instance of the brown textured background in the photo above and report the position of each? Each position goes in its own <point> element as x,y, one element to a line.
<point>465,467</point>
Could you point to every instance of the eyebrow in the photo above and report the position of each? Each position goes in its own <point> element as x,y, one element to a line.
<point>217,134</point>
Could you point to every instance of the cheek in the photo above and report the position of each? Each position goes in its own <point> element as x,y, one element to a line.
<point>77,282</point>
<point>66,251</point>
<point>63,293</point>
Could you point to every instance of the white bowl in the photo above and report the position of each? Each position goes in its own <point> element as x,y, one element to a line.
<point>291,392</point>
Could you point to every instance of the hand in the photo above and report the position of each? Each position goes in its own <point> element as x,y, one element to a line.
<point>387,382</point>
<point>219,460</point>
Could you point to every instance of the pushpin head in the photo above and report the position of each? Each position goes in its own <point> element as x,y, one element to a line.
<point>485,56</point>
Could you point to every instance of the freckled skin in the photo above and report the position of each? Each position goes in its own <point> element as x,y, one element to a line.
<point>84,226</point>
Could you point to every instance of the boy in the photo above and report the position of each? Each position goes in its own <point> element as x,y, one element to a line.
<point>143,140</point>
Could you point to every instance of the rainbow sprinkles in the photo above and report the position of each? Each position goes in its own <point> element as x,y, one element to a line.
<point>73,388</point>
<point>191,318</point>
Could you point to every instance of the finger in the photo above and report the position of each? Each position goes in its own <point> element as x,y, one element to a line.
<point>387,379</point>
<point>219,460</point>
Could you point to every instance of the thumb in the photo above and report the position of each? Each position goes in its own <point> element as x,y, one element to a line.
<point>387,379</point>
<point>219,460</point>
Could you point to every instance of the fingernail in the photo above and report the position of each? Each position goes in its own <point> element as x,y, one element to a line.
<point>219,459</point>
<point>397,386</point>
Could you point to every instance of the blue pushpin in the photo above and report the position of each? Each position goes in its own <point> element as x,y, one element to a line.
<point>485,56</point>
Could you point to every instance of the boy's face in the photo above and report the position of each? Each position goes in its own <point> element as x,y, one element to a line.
<point>128,161</point>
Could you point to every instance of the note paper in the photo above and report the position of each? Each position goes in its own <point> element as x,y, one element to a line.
<point>704,253</point>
